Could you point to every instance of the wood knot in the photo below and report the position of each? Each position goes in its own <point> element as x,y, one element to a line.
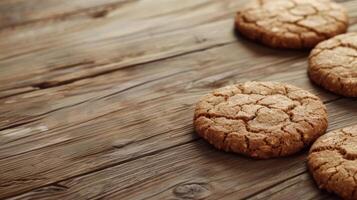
<point>192,191</point>
<point>100,14</point>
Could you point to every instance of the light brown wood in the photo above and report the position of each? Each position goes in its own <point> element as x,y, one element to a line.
<point>102,107</point>
<point>23,12</point>
<point>121,39</point>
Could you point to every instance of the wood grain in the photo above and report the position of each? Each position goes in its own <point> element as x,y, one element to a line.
<point>23,12</point>
<point>196,170</point>
<point>99,105</point>
<point>93,46</point>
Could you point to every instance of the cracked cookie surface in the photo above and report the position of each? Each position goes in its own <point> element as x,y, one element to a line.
<point>333,64</point>
<point>293,24</point>
<point>260,119</point>
<point>333,162</point>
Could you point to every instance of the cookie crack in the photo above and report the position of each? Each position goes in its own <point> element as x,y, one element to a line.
<point>286,131</point>
<point>286,94</point>
<point>337,20</point>
<point>344,154</point>
<point>318,33</point>
<point>333,174</point>
<point>288,111</point>
<point>347,45</point>
<point>340,43</point>
<point>301,136</point>
<point>255,131</point>
<point>348,134</point>
<point>317,168</point>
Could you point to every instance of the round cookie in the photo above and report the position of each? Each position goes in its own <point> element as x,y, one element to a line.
<point>260,119</point>
<point>293,24</point>
<point>333,64</point>
<point>333,162</point>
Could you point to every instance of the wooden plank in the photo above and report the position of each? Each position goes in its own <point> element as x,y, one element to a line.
<point>89,47</point>
<point>302,186</point>
<point>189,66</point>
<point>194,167</point>
<point>66,51</point>
<point>23,12</point>
<point>66,143</point>
<point>104,95</point>
<point>195,170</point>
<point>15,13</point>
<point>107,60</point>
<point>67,125</point>
<point>63,122</point>
<point>25,111</point>
<point>66,73</point>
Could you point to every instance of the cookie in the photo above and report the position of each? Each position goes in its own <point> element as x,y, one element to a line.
<point>292,24</point>
<point>333,64</point>
<point>333,162</point>
<point>260,119</point>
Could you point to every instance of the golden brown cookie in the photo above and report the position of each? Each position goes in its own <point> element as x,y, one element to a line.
<point>293,24</point>
<point>333,64</point>
<point>333,162</point>
<point>260,119</point>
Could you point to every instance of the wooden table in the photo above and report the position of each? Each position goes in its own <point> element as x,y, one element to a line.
<point>97,100</point>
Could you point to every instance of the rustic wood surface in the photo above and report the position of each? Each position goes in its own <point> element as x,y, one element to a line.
<point>97,99</point>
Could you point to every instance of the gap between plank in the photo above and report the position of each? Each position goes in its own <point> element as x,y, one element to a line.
<point>106,167</point>
<point>275,184</point>
<point>47,85</point>
<point>38,117</point>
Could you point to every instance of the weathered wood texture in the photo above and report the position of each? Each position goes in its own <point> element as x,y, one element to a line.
<point>97,98</point>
